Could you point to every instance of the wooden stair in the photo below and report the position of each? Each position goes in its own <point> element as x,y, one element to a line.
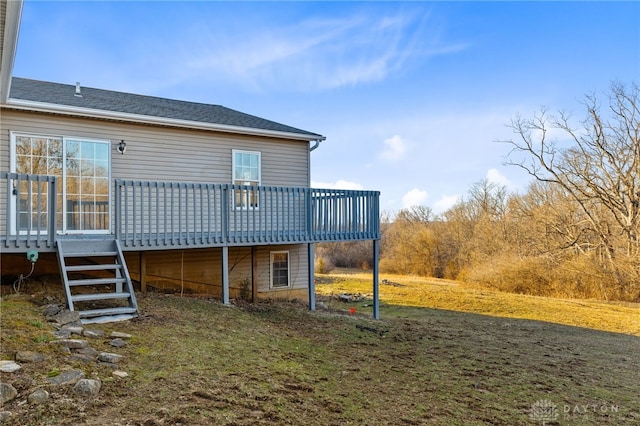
<point>96,279</point>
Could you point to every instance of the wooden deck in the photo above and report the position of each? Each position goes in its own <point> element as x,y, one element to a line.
<point>153,215</point>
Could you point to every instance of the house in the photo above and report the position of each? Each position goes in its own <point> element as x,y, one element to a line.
<point>109,188</point>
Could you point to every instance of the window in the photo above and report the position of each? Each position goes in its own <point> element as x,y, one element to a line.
<point>246,171</point>
<point>280,269</point>
<point>83,170</point>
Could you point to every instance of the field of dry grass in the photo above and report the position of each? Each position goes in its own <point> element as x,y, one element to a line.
<point>399,290</point>
<point>468,358</point>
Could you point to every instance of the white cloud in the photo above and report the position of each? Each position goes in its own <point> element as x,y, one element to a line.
<point>340,184</point>
<point>325,52</point>
<point>395,148</point>
<point>494,176</point>
<point>445,203</point>
<point>415,197</point>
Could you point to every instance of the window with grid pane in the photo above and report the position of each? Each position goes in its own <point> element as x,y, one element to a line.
<point>246,171</point>
<point>280,269</point>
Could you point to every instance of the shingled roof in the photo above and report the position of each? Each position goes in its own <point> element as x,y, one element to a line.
<point>143,106</point>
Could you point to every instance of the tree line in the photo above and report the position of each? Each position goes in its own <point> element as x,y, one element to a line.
<point>574,232</point>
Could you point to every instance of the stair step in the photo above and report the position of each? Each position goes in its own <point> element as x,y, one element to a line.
<point>106,267</point>
<point>96,281</point>
<point>87,246</point>
<point>99,296</point>
<point>107,312</point>
<point>91,254</point>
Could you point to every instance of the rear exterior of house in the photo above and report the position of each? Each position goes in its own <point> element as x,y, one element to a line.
<point>106,188</point>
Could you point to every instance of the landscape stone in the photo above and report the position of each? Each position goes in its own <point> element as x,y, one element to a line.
<point>88,351</point>
<point>66,377</point>
<point>109,357</point>
<point>87,387</point>
<point>110,365</point>
<point>4,415</point>
<point>81,358</point>
<point>39,396</point>
<point>118,343</point>
<point>120,335</point>
<point>74,329</point>
<point>29,356</point>
<point>120,374</point>
<point>93,333</point>
<point>66,317</point>
<point>7,392</point>
<point>9,366</point>
<point>72,343</point>
<point>62,334</point>
<point>50,310</point>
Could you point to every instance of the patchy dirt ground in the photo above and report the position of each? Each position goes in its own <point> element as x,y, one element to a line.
<point>194,361</point>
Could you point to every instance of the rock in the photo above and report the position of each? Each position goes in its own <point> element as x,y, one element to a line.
<point>109,357</point>
<point>120,374</point>
<point>62,334</point>
<point>87,387</point>
<point>4,415</point>
<point>119,335</point>
<point>50,310</point>
<point>7,392</point>
<point>72,343</point>
<point>118,343</point>
<point>74,329</point>
<point>93,333</point>
<point>29,356</point>
<point>38,397</point>
<point>66,377</point>
<point>81,358</point>
<point>110,365</point>
<point>66,317</point>
<point>88,351</point>
<point>9,366</point>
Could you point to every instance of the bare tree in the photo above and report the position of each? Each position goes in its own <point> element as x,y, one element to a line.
<point>597,164</point>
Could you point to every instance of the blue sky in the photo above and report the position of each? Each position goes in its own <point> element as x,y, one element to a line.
<point>411,96</point>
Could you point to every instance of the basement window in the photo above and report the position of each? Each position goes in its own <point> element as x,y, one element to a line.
<point>280,269</point>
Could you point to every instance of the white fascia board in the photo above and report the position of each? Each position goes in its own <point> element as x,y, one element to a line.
<point>9,47</point>
<point>19,104</point>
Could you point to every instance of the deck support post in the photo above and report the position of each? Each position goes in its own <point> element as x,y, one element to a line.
<point>312,283</point>
<point>376,289</point>
<point>225,275</point>
<point>254,274</point>
<point>143,272</point>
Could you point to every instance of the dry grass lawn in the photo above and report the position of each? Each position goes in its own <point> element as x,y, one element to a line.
<point>441,354</point>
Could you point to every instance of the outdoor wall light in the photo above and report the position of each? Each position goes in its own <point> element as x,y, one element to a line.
<point>122,147</point>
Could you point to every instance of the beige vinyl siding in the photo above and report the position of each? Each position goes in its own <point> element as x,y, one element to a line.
<point>156,153</point>
<point>165,154</point>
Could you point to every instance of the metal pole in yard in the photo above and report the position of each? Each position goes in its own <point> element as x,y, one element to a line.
<point>312,284</point>
<point>376,289</point>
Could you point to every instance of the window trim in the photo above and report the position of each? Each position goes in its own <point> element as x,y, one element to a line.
<point>13,164</point>
<point>271,264</point>
<point>239,182</point>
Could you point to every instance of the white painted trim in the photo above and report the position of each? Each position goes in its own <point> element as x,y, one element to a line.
<point>62,208</point>
<point>233,175</point>
<point>271,253</point>
<point>9,47</point>
<point>19,104</point>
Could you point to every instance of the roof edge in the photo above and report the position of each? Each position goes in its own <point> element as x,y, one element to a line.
<point>23,105</point>
<point>13,16</point>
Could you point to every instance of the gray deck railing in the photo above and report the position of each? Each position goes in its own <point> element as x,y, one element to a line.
<point>159,215</point>
<point>30,206</point>
<point>156,215</point>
